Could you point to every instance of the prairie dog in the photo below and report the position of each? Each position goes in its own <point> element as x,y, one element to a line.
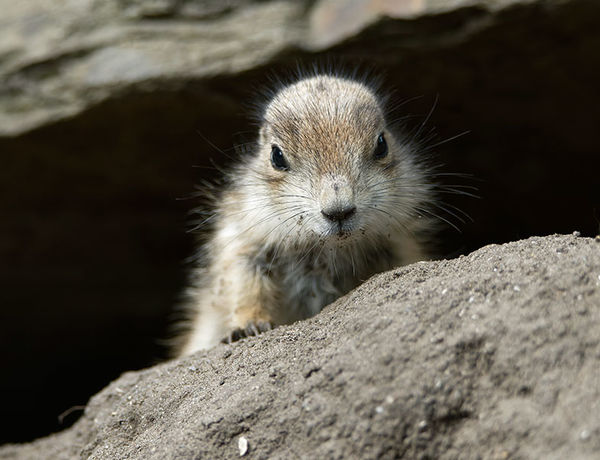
<point>329,196</point>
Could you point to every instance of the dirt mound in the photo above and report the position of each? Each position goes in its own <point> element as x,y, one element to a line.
<point>493,355</point>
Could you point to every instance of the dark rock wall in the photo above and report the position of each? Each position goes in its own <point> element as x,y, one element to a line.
<point>93,204</point>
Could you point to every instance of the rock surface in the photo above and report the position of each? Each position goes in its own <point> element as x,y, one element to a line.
<point>495,355</point>
<point>56,61</point>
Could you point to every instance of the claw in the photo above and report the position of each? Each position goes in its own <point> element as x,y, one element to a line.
<point>233,336</point>
<point>251,329</point>
<point>264,326</point>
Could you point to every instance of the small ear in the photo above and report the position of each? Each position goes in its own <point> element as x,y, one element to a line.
<point>263,134</point>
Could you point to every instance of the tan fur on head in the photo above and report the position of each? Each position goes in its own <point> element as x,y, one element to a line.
<point>327,129</point>
<point>330,196</point>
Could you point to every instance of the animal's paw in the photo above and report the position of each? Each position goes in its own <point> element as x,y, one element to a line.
<point>253,328</point>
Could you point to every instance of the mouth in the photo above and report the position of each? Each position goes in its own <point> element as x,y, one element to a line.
<point>340,230</point>
<point>343,229</point>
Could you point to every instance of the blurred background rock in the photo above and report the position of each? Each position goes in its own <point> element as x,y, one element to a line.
<point>112,110</point>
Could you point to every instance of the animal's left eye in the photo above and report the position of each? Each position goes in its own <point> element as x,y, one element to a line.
<point>277,159</point>
<point>381,150</point>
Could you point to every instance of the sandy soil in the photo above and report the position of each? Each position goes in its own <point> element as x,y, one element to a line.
<point>492,355</point>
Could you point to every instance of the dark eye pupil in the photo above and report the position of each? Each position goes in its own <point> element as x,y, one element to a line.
<point>277,159</point>
<point>381,150</point>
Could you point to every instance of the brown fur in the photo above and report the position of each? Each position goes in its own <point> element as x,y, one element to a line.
<point>277,253</point>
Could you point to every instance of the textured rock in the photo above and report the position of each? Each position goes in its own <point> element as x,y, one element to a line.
<point>106,106</point>
<point>493,355</point>
<point>59,60</point>
<point>84,52</point>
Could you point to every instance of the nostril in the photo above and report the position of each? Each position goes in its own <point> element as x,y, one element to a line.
<point>348,212</point>
<point>339,214</point>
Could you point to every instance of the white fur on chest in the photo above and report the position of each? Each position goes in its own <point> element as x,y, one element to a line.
<point>307,292</point>
<point>307,285</point>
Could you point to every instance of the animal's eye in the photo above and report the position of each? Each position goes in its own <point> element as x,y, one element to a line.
<point>277,159</point>
<point>381,150</point>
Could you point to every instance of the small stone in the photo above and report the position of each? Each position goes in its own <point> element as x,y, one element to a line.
<point>516,288</point>
<point>436,339</point>
<point>584,435</point>
<point>379,409</point>
<point>576,233</point>
<point>226,354</point>
<point>243,446</point>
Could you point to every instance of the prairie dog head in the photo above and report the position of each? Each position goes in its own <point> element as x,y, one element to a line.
<point>331,171</point>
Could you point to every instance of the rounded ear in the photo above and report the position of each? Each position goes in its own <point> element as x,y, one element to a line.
<point>263,135</point>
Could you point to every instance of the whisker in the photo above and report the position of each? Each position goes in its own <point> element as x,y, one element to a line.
<point>214,214</point>
<point>308,252</point>
<point>435,102</point>
<point>437,144</point>
<point>264,219</point>
<point>283,222</point>
<point>437,216</point>
<point>457,209</point>
<point>393,217</point>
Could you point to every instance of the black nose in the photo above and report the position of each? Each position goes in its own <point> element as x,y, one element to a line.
<point>338,214</point>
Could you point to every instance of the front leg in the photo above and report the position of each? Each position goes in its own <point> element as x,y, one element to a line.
<point>235,300</point>
<point>255,306</point>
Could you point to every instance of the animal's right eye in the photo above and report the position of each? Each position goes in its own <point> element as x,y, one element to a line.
<point>381,150</point>
<point>277,159</point>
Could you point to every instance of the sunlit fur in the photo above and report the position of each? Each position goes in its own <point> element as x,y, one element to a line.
<point>273,256</point>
